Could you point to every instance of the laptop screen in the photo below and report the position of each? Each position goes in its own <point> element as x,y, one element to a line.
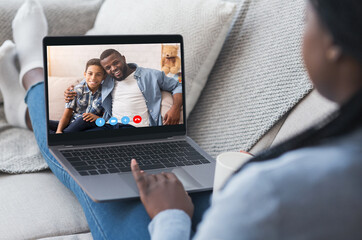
<point>106,87</point>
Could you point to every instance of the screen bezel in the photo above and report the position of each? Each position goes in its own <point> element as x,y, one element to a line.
<point>115,135</point>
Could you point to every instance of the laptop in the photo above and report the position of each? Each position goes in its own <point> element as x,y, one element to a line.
<point>130,113</point>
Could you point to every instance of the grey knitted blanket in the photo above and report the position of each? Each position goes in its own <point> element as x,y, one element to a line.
<point>18,148</point>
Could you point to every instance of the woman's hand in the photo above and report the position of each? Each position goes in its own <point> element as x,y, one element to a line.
<point>90,117</point>
<point>161,192</point>
<point>69,94</point>
<point>58,132</point>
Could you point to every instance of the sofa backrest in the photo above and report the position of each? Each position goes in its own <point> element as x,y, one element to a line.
<point>61,16</point>
<point>258,77</point>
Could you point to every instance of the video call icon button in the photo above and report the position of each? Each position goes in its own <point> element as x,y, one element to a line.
<point>125,120</point>
<point>100,122</point>
<point>113,121</point>
<point>137,119</point>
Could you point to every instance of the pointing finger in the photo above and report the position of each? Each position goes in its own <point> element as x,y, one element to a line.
<point>138,176</point>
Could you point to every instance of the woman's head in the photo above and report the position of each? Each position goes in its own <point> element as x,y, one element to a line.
<point>332,47</point>
<point>94,73</point>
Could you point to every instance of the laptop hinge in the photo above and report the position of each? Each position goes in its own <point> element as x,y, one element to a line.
<point>68,146</point>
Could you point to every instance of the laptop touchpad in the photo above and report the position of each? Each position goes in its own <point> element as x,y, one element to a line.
<point>187,180</point>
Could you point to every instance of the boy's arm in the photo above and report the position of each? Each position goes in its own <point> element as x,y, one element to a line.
<point>64,121</point>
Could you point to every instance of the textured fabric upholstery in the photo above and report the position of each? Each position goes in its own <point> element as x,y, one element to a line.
<point>312,109</point>
<point>258,77</point>
<point>37,205</point>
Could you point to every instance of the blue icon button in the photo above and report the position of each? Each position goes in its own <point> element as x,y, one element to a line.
<point>125,120</point>
<point>100,122</point>
<point>113,121</point>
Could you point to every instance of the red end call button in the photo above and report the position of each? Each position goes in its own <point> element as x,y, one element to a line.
<point>137,119</point>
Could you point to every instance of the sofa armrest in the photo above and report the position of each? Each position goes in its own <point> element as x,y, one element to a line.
<point>309,111</point>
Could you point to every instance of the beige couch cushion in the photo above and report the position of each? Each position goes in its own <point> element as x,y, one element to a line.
<point>37,205</point>
<point>57,86</point>
<point>81,236</point>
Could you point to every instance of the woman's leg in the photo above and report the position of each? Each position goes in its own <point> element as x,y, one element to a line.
<point>125,219</point>
<point>120,219</point>
<point>112,220</point>
<point>201,203</point>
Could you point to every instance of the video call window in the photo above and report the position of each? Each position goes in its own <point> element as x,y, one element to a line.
<point>114,87</point>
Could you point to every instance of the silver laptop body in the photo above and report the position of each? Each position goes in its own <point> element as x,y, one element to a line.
<point>121,185</point>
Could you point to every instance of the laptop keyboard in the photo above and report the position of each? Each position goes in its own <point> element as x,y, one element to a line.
<point>106,160</point>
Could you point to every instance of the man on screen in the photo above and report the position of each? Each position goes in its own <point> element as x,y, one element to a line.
<point>129,90</point>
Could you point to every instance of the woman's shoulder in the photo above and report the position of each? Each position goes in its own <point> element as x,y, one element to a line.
<point>337,154</point>
<point>309,171</point>
<point>315,186</point>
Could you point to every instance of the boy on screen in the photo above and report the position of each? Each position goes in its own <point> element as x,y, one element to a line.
<point>86,107</point>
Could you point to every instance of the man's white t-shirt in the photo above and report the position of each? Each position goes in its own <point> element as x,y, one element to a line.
<point>128,100</point>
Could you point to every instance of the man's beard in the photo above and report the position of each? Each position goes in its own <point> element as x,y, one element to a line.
<point>124,73</point>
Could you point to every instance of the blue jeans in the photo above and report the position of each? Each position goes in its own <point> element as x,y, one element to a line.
<point>124,219</point>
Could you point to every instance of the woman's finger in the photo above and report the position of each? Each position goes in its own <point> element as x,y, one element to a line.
<point>139,177</point>
<point>161,177</point>
<point>152,178</point>
<point>171,176</point>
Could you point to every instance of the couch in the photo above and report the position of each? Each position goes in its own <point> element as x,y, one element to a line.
<point>257,94</point>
